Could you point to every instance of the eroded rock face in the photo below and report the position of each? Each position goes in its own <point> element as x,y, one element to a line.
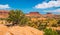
<point>17,30</point>
<point>4,30</point>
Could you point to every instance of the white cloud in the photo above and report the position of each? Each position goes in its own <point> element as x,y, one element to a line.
<point>48,5</point>
<point>58,0</point>
<point>54,0</point>
<point>4,6</point>
<point>57,10</point>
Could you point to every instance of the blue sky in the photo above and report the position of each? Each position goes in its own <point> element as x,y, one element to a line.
<point>41,6</point>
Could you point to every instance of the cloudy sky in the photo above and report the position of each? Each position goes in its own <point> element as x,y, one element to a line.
<point>41,6</point>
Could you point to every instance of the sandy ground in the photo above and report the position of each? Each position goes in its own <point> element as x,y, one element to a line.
<point>17,30</point>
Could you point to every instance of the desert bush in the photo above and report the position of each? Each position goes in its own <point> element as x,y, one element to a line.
<point>50,32</point>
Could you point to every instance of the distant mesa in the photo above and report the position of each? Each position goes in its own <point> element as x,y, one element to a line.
<point>34,12</point>
<point>5,14</point>
<point>49,13</point>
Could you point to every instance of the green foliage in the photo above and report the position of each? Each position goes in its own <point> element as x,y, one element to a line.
<point>50,32</point>
<point>2,19</point>
<point>42,26</point>
<point>32,24</point>
<point>38,24</point>
<point>58,22</point>
<point>24,21</point>
<point>52,22</point>
<point>17,17</point>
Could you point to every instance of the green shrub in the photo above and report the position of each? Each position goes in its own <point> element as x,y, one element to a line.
<point>50,32</point>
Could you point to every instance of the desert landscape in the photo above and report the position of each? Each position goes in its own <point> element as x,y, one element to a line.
<point>29,17</point>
